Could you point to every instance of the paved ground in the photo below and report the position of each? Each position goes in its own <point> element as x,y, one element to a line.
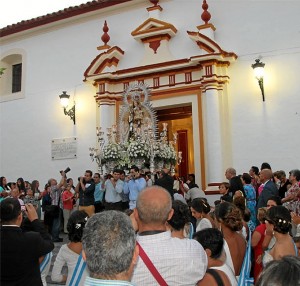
<point>55,251</point>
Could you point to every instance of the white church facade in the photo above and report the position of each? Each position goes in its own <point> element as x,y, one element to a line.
<point>195,56</point>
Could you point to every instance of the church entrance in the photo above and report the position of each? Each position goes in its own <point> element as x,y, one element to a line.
<point>179,119</point>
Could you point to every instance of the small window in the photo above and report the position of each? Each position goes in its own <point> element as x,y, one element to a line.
<point>16,77</point>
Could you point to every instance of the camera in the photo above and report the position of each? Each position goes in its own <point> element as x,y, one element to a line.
<point>66,171</point>
<point>82,180</point>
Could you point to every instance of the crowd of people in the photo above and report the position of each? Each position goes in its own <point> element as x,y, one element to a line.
<point>136,229</point>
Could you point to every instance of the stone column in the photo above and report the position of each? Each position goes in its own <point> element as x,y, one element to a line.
<point>213,136</point>
<point>106,113</point>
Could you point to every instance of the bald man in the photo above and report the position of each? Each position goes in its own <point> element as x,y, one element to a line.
<point>179,261</point>
<point>269,189</point>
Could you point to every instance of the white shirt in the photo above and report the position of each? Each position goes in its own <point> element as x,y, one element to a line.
<point>229,273</point>
<point>203,224</point>
<point>113,193</point>
<point>69,257</point>
<point>179,261</point>
<point>194,193</point>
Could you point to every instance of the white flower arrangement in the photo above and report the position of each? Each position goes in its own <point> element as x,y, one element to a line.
<point>138,149</point>
<point>167,153</point>
<point>111,152</point>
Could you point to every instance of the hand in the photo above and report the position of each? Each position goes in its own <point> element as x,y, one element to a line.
<point>31,212</point>
<point>295,218</point>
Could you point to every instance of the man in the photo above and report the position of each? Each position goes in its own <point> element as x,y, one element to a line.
<point>20,251</point>
<point>113,190</point>
<point>109,249</point>
<point>269,189</point>
<point>98,194</point>
<point>235,183</point>
<point>166,181</point>
<point>125,197</point>
<point>134,186</point>
<point>192,193</point>
<point>55,194</point>
<point>191,181</point>
<point>179,261</point>
<point>86,189</point>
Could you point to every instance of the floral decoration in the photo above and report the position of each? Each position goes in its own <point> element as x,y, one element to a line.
<point>166,153</point>
<point>112,152</point>
<point>138,149</point>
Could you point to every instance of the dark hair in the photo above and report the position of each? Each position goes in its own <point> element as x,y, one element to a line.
<point>247,178</point>
<point>229,215</point>
<point>181,215</point>
<point>240,202</point>
<point>192,175</point>
<point>1,181</point>
<point>118,171</point>
<point>90,172</point>
<point>135,168</point>
<point>76,224</point>
<point>225,184</point>
<point>279,174</point>
<point>283,272</point>
<point>255,170</point>
<point>34,185</point>
<point>22,184</point>
<point>10,209</point>
<point>212,239</point>
<point>200,205</point>
<point>280,217</point>
<point>276,199</point>
<point>265,165</point>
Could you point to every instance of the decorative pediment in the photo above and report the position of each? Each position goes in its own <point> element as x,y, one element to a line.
<point>105,62</point>
<point>208,45</point>
<point>153,27</point>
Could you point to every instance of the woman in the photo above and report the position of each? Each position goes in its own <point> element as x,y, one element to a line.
<point>279,222</point>
<point>250,196</point>
<point>283,183</point>
<point>240,202</point>
<point>70,253</point>
<point>269,239</point>
<point>212,241</point>
<point>181,217</point>
<point>37,194</point>
<point>21,187</point>
<point>257,240</point>
<point>67,199</point>
<point>291,200</point>
<point>230,222</point>
<point>75,195</point>
<point>4,189</point>
<point>200,211</point>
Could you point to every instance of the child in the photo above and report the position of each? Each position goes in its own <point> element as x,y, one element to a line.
<point>224,188</point>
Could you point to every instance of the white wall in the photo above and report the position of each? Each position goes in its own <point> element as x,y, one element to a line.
<point>57,58</point>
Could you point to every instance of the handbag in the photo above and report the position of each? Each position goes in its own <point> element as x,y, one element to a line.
<point>52,211</point>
